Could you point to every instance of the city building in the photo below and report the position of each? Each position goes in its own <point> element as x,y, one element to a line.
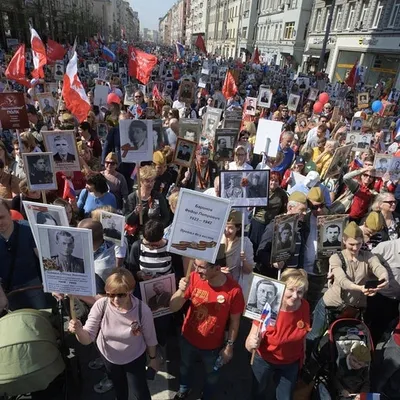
<point>165,28</point>
<point>217,32</point>
<point>136,27</point>
<point>189,24</point>
<point>178,22</point>
<point>367,31</point>
<point>197,22</point>
<point>246,33</point>
<point>281,29</point>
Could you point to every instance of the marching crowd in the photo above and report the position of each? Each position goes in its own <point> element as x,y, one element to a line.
<point>362,280</point>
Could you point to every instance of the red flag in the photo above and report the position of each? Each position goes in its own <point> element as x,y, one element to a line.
<point>16,68</point>
<point>156,93</point>
<point>38,55</point>
<point>200,44</point>
<point>352,79</point>
<point>74,94</point>
<point>141,64</point>
<point>229,89</point>
<point>55,51</point>
<point>256,57</point>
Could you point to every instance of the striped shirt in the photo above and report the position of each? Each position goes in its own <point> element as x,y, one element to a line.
<point>155,261</point>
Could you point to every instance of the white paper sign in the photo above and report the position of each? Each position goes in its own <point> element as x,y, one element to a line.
<point>66,260</point>
<point>100,95</point>
<point>198,225</point>
<point>267,137</point>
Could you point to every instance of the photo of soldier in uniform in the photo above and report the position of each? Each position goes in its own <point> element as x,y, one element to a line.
<point>184,152</point>
<point>40,174</point>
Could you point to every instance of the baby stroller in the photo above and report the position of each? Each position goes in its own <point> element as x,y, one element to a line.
<point>32,355</point>
<point>341,362</point>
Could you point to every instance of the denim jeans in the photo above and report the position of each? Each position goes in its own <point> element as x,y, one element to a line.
<point>28,299</point>
<point>318,327</point>
<point>188,358</point>
<point>265,374</point>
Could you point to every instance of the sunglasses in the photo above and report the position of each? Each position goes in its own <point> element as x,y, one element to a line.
<point>119,295</point>
<point>110,162</point>
<point>316,207</point>
<point>391,202</point>
<point>138,97</point>
<point>368,176</point>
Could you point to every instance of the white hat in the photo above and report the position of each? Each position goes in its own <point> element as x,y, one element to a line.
<point>311,179</point>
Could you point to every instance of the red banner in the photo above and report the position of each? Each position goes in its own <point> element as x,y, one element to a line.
<point>54,51</point>
<point>141,64</point>
<point>13,113</point>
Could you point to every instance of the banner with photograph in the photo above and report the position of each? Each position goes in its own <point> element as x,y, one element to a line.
<point>113,227</point>
<point>66,260</point>
<point>330,233</point>
<point>284,240</point>
<point>157,293</point>
<point>210,124</point>
<point>190,129</point>
<point>264,290</point>
<point>41,174</point>
<point>198,225</point>
<point>382,163</point>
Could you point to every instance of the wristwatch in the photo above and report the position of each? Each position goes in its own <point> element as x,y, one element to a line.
<point>230,342</point>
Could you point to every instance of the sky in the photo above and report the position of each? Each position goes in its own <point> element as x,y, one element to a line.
<point>150,11</point>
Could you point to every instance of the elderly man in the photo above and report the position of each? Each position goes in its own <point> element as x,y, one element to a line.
<point>61,147</point>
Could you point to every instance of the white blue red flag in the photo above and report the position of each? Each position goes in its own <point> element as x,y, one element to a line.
<point>370,396</point>
<point>265,318</point>
<point>108,54</point>
<point>180,49</point>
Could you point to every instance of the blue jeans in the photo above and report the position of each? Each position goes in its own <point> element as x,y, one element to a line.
<point>318,327</point>
<point>265,374</point>
<point>188,358</point>
<point>28,299</point>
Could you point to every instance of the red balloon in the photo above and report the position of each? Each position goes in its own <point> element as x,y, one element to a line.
<point>323,97</point>
<point>318,107</point>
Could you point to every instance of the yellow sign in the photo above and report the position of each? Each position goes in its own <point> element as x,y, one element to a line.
<point>345,66</point>
<point>384,70</point>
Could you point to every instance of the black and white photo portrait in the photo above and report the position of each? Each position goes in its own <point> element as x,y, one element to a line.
<point>264,98</point>
<point>330,234</point>
<point>41,174</point>
<point>264,290</point>
<point>381,164</point>
<point>284,238</point>
<point>232,186</point>
<point>184,152</point>
<point>333,236</point>
<point>100,96</point>
<point>210,124</point>
<point>363,142</point>
<point>293,101</point>
<point>312,95</point>
<point>46,103</point>
<point>186,92</point>
<point>250,106</point>
<point>224,146</point>
<point>129,95</point>
<point>64,257</point>
<point>113,226</point>
<point>356,124</point>
<point>190,129</point>
<point>363,100</point>
<point>352,138</point>
<point>59,71</point>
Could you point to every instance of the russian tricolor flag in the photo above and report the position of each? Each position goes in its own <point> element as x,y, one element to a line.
<point>370,396</point>
<point>108,54</point>
<point>180,50</point>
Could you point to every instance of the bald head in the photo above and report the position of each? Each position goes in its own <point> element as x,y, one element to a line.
<point>97,231</point>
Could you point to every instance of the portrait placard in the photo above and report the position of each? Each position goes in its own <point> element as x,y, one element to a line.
<point>338,160</point>
<point>59,70</point>
<point>210,125</point>
<point>245,188</point>
<point>100,95</point>
<point>129,95</point>
<point>186,92</point>
<point>184,152</point>
<point>284,240</point>
<point>395,169</point>
<point>330,233</point>
<point>382,163</point>
<point>363,100</point>
<point>157,293</point>
<point>268,137</point>
<point>363,142</point>
<point>265,97</point>
<point>47,103</point>
<point>40,171</point>
<point>293,101</point>
<point>44,214</point>
<point>356,124</point>
<point>63,146</point>
<point>136,138</point>
<point>313,94</point>
<point>51,87</point>
<point>224,146</point>
<point>66,260</point>
<point>264,290</point>
<point>190,129</point>
<point>113,227</point>
<point>13,113</point>
<point>198,225</point>
<point>250,106</point>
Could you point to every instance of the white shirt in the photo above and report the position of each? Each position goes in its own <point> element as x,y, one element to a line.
<point>178,104</point>
<point>234,167</point>
<point>312,137</point>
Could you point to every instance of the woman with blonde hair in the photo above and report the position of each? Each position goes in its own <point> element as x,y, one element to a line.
<point>147,202</point>
<point>280,348</point>
<point>123,328</point>
<point>240,163</point>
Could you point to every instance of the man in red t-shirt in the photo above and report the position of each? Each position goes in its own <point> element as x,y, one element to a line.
<point>215,298</point>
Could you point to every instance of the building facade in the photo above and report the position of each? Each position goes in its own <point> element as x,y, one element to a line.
<point>281,29</point>
<point>165,28</point>
<point>197,21</point>
<point>367,31</point>
<point>247,28</point>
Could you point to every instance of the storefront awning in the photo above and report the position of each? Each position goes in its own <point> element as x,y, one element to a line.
<point>315,52</point>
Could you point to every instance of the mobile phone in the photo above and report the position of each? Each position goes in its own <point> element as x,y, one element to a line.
<point>150,374</point>
<point>373,283</point>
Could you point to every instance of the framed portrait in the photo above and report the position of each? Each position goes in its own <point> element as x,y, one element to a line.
<point>284,240</point>
<point>102,131</point>
<point>113,227</point>
<point>47,103</point>
<point>136,138</point>
<point>59,71</point>
<point>222,72</point>
<point>232,124</point>
<point>363,142</point>
<point>363,100</point>
<point>44,214</point>
<point>245,188</point>
<point>210,124</point>
<point>104,74</point>
<point>330,233</point>
<point>313,94</point>
<point>66,260</point>
<point>190,129</point>
<point>100,95</point>
<point>160,137</point>
<point>382,163</point>
<point>94,69</point>
<point>356,124</point>
<point>51,87</point>
<point>214,71</point>
<point>157,292</point>
<point>41,174</point>
<point>293,101</point>
<point>302,123</point>
<point>224,146</point>
<point>63,146</point>
<point>395,168</point>
<point>339,159</point>
<point>376,122</point>
<point>250,106</point>
<point>303,83</point>
<point>198,225</point>
<point>122,72</point>
<point>184,152</point>
<point>352,138</point>
<point>203,81</point>
<point>265,97</point>
<point>264,290</point>
<point>186,92</point>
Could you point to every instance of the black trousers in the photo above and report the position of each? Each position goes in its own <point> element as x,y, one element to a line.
<point>129,380</point>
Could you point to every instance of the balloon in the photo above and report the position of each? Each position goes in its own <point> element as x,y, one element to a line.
<point>377,106</point>
<point>318,106</point>
<point>323,98</point>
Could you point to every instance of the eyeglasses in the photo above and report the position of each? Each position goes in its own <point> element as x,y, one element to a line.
<point>119,295</point>
<point>368,176</point>
<point>138,97</point>
<point>391,202</point>
<point>316,207</point>
<point>110,162</point>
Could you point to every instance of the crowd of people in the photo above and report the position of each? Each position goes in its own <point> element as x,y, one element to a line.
<point>361,279</point>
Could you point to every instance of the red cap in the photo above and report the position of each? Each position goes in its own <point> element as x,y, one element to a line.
<point>113,98</point>
<point>16,216</point>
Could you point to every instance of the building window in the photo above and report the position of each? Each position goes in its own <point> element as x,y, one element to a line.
<point>338,18</point>
<point>292,4</point>
<point>275,31</point>
<point>280,32</point>
<point>378,14</point>
<point>317,20</point>
<point>395,13</point>
<point>244,32</point>
<point>364,13</point>
<point>327,11</point>
<point>350,17</point>
<point>267,36</point>
<point>289,30</point>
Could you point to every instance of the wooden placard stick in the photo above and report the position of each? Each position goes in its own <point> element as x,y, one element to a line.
<point>72,307</point>
<point>44,197</point>
<point>189,269</point>
<point>139,194</point>
<point>253,353</point>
